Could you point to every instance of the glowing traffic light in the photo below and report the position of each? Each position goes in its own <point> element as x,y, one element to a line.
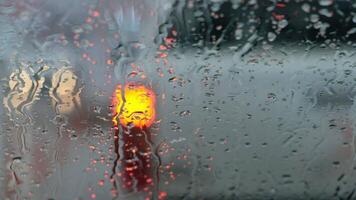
<point>134,105</point>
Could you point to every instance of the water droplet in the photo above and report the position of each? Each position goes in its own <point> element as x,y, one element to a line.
<point>306,7</point>
<point>326,2</point>
<point>271,36</point>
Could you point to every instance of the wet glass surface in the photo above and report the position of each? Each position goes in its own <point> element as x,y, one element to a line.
<point>177,99</point>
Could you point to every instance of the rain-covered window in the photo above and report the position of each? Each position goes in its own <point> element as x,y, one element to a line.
<point>177,99</point>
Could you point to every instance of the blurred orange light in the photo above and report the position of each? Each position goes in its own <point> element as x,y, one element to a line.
<point>139,107</point>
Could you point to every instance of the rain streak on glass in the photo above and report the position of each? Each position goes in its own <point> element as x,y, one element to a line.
<point>177,99</point>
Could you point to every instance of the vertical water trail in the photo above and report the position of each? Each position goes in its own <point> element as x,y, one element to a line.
<point>24,86</point>
<point>138,26</point>
<point>156,165</point>
<point>116,160</point>
<point>24,89</point>
<point>128,21</point>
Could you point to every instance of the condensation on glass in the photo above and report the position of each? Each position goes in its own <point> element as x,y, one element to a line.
<point>177,99</point>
